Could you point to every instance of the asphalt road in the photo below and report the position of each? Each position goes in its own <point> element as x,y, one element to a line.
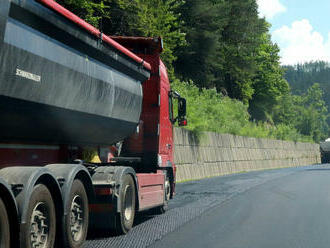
<point>277,208</point>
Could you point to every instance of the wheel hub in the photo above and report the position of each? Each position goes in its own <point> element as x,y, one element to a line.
<point>167,190</point>
<point>77,220</point>
<point>39,226</point>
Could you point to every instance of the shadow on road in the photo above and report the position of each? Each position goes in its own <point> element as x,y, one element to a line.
<point>319,169</point>
<point>139,219</point>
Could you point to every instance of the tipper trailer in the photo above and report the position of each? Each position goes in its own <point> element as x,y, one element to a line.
<point>65,86</point>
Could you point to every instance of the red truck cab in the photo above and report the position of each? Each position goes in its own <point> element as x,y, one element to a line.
<point>154,141</point>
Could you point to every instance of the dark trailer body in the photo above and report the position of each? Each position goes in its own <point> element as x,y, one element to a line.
<point>50,69</point>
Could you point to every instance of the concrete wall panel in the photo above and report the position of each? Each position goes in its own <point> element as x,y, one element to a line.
<point>212,154</point>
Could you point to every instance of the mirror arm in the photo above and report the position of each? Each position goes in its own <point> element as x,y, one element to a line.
<point>175,94</point>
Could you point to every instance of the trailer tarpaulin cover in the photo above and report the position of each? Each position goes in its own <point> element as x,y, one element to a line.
<point>60,84</point>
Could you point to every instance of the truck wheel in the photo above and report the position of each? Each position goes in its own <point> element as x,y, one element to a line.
<point>125,218</point>
<point>40,228</point>
<point>76,221</point>
<point>4,226</point>
<point>164,208</point>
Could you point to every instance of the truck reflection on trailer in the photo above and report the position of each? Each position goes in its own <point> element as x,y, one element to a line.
<point>65,86</point>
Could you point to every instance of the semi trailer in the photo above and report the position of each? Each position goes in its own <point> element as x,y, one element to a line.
<point>66,87</point>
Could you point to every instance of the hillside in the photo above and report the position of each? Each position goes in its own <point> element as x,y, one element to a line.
<point>302,76</point>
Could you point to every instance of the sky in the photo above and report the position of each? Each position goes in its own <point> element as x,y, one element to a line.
<point>301,28</point>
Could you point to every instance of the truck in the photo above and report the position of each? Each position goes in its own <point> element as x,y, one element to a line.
<point>65,87</point>
<point>325,151</point>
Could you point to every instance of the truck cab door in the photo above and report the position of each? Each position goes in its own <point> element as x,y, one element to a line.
<point>165,126</point>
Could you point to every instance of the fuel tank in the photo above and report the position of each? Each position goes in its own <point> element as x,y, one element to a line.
<point>61,84</point>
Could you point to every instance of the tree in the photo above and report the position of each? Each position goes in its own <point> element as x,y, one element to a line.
<point>241,41</point>
<point>303,76</point>
<point>268,84</point>
<point>307,113</point>
<point>223,37</point>
<point>160,18</point>
<point>201,59</point>
<point>90,11</point>
<point>150,18</point>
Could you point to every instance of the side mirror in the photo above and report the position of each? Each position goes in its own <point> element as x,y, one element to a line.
<point>182,111</point>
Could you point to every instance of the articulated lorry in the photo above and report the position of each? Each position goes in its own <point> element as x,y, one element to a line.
<point>66,87</point>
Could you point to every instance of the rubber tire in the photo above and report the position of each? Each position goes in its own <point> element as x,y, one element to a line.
<point>77,189</point>
<point>4,227</point>
<point>40,194</point>
<point>161,210</point>
<point>123,225</point>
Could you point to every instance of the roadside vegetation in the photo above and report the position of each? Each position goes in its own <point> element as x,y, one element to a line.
<point>220,57</point>
<point>208,110</point>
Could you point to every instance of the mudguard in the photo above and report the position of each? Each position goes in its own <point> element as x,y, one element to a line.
<point>23,180</point>
<point>170,170</point>
<point>67,173</point>
<point>9,200</point>
<point>113,175</point>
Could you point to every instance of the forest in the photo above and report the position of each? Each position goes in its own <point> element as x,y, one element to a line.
<point>220,56</point>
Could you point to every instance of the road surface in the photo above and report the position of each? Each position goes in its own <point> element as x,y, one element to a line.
<point>275,208</point>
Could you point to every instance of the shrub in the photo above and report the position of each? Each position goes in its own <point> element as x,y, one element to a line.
<point>208,110</point>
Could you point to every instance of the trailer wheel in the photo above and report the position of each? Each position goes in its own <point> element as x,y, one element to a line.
<point>40,229</point>
<point>125,217</point>
<point>4,226</point>
<point>76,221</point>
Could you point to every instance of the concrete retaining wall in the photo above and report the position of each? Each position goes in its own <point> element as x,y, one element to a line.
<point>222,154</point>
